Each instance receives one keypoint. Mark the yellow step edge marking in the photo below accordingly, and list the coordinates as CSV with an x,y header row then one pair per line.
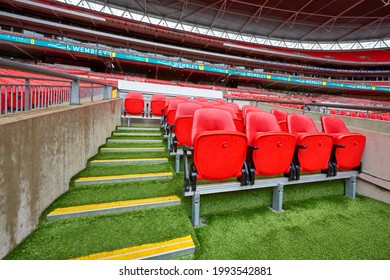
x,y
128,159
127,176
142,251
116,204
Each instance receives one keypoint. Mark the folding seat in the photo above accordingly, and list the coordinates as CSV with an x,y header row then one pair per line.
x,y
157,104
237,122
343,113
170,118
362,115
348,147
218,150
206,104
353,114
333,111
249,108
271,150
313,148
182,97
220,101
201,99
183,124
134,103
281,116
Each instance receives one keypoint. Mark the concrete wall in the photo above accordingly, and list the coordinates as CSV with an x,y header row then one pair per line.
x,y
376,156
39,153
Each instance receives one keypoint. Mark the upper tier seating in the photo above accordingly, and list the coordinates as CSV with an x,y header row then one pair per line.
x,y
218,150
348,147
313,149
157,104
271,149
134,103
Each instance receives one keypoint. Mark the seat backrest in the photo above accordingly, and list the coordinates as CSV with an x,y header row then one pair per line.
x,y
183,122
260,122
230,109
298,124
211,119
171,112
234,105
134,103
220,101
353,113
220,150
182,97
206,104
157,104
281,115
362,115
333,125
201,99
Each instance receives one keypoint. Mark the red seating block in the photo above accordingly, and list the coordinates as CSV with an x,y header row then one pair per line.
x,y
347,147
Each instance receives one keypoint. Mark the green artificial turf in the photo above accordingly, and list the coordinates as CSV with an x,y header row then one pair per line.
x,y
66,239
107,170
332,227
114,155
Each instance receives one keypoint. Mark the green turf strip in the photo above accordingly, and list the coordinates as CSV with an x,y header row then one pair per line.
x,y
114,155
111,170
117,192
333,227
73,238
135,138
133,145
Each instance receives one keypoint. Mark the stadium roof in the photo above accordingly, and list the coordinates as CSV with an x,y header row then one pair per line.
x,y
292,22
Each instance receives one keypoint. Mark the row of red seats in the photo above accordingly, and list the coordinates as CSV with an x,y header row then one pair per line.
x,y
360,114
220,152
227,141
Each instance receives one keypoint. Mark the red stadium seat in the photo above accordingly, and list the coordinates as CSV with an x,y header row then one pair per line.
x,y
218,150
134,103
281,116
183,124
201,99
157,104
249,108
353,114
182,97
362,115
347,147
271,150
313,149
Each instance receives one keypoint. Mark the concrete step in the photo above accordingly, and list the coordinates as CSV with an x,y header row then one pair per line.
x,y
129,128
156,251
134,141
128,161
111,207
140,134
123,178
132,150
